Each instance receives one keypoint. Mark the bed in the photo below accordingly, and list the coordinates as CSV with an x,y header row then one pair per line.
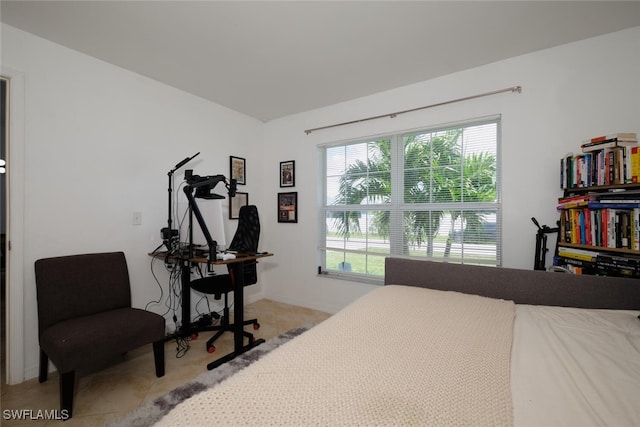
x,y
448,344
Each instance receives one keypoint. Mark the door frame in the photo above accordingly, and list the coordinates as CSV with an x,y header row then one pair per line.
x,y
14,321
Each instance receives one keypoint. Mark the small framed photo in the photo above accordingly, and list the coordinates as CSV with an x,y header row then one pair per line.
x,y
288,207
288,173
238,169
235,203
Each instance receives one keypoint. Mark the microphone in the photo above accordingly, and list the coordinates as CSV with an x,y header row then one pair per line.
x,y
233,186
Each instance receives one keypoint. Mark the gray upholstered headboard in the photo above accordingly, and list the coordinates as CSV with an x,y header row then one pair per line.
x,y
520,286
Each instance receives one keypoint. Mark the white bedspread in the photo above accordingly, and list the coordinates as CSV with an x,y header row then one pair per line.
x,y
397,356
576,367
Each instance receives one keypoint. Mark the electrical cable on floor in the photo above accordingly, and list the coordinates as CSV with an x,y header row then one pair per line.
x,y
146,307
182,346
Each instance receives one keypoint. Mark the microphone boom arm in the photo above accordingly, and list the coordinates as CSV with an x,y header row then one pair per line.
x,y
193,206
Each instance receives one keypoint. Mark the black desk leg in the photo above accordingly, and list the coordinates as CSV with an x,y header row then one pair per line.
x,y
238,312
185,272
185,329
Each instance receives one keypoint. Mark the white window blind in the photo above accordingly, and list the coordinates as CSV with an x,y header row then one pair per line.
x,y
430,194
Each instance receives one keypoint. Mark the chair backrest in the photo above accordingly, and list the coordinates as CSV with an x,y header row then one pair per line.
x,y
248,231
79,285
246,240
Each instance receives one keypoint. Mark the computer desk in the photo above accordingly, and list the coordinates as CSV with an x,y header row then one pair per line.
x,y
187,329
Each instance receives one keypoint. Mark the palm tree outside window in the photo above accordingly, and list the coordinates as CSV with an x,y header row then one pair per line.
x,y
432,194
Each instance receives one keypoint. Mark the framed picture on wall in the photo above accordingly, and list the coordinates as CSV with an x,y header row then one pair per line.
x,y
288,207
288,173
235,203
238,169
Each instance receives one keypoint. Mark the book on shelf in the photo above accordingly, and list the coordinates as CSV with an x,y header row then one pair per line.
x,y
576,230
604,270
622,230
623,201
618,166
618,135
576,266
629,196
565,226
596,229
574,201
635,230
618,265
606,166
588,227
604,227
576,198
618,260
588,147
634,164
610,204
578,254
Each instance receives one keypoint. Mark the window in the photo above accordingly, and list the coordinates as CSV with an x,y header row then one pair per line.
x,y
431,194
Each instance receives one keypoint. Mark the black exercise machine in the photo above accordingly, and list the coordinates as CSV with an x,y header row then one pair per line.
x,y
541,244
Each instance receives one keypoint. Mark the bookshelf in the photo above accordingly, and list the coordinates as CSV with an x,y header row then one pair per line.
x,y
599,211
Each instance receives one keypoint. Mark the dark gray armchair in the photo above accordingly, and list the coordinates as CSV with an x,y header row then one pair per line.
x,y
85,315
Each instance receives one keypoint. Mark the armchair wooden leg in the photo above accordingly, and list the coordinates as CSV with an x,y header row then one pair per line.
x,y
44,366
158,356
67,384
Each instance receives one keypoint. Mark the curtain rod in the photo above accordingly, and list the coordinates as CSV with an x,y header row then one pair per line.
x,y
393,115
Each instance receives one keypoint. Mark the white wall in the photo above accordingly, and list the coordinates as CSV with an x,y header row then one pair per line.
x,y
570,93
99,142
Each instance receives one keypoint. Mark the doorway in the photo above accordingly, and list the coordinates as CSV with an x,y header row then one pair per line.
x,y
3,221
12,221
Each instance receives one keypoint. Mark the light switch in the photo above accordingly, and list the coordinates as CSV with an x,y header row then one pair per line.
x,y
137,218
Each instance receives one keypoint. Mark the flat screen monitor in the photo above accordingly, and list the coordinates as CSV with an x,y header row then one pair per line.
x,y
211,211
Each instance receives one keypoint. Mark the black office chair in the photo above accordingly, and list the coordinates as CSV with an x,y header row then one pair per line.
x,y
245,240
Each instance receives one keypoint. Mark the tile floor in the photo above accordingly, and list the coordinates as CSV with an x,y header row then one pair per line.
x,y
121,387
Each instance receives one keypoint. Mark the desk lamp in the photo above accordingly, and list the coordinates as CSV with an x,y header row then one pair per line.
x,y
168,233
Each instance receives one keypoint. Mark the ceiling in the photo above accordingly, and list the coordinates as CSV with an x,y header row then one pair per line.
x,y
271,59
